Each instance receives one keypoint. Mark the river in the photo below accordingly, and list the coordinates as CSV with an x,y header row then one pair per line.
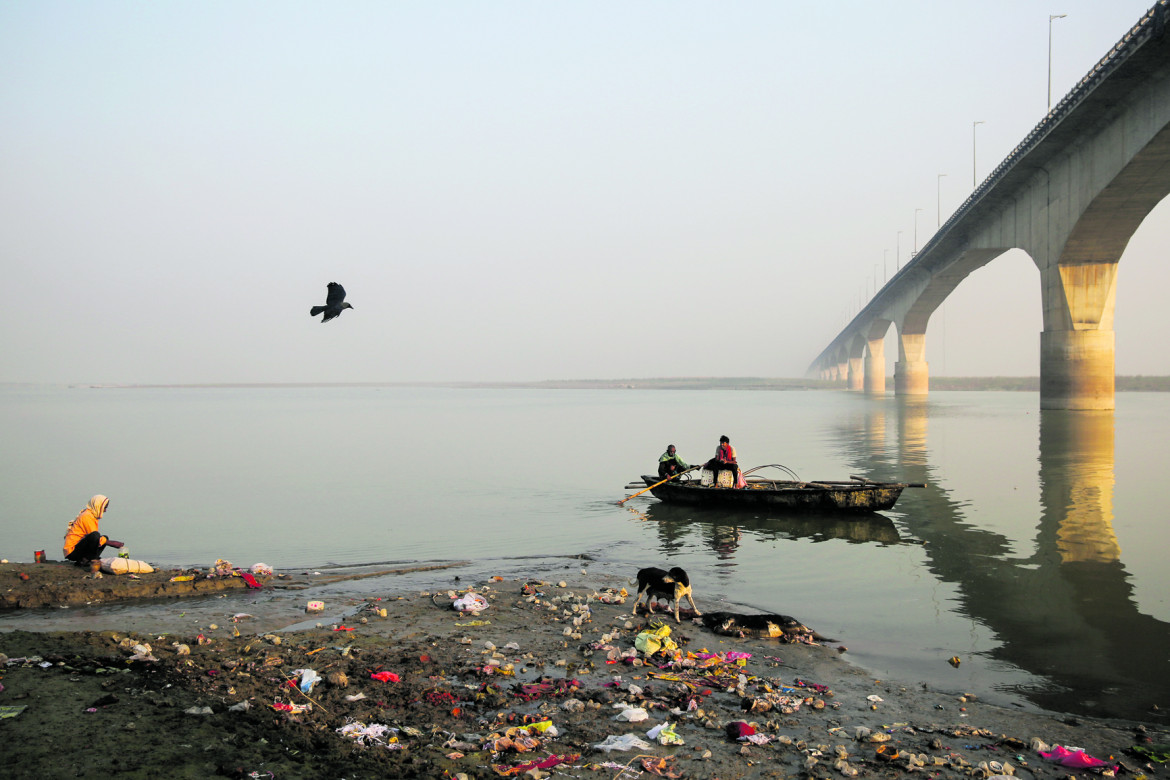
x,y
1035,554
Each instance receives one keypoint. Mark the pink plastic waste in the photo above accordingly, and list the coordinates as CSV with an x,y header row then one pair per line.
x,y
384,676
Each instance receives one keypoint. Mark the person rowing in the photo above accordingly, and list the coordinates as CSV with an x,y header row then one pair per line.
x,y
670,464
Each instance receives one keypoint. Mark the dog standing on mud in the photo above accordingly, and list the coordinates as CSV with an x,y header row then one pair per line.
x,y
672,585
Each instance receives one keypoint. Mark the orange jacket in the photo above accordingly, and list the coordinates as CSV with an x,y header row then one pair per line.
x,y
85,523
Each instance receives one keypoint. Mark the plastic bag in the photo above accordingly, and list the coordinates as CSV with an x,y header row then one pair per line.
x,y
665,734
633,715
309,678
622,742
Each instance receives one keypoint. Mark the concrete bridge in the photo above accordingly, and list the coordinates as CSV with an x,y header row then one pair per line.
x,y
1071,195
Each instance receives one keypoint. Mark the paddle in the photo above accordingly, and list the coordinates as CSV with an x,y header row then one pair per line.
x,y
656,484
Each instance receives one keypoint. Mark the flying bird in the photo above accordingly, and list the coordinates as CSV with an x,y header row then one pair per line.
x,y
334,303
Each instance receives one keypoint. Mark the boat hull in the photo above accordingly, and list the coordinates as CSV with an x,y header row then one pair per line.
x,y
791,496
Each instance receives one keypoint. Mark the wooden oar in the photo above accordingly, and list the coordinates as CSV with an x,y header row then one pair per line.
x,y
656,484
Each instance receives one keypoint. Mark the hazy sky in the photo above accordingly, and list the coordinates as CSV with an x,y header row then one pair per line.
x,y
516,190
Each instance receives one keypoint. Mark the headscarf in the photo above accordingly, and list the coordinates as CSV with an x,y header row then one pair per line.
x,y
97,505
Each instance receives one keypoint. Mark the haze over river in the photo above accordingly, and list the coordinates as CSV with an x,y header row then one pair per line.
x,y
1036,553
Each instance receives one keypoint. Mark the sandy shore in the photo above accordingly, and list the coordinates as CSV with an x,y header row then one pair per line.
x,y
462,692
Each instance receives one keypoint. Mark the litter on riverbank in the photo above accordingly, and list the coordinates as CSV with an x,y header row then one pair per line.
x,y
545,680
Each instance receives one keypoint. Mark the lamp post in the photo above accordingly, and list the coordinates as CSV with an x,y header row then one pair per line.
x,y
916,230
938,198
898,254
973,176
885,266
1051,19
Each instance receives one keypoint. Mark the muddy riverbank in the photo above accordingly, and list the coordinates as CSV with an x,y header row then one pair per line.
x,y
411,687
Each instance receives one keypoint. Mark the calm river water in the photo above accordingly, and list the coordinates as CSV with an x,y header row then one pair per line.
x,y
1036,553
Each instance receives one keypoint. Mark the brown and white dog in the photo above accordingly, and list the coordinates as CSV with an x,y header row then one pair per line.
x,y
671,585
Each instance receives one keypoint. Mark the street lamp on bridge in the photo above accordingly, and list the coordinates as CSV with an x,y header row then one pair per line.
x,y
1051,18
916,231
898,254
938,198
973,175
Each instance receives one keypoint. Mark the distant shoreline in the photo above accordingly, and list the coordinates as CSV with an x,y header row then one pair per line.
x,y
1138,383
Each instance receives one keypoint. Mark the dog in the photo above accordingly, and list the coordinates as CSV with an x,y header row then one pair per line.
x,y
673,585
767,626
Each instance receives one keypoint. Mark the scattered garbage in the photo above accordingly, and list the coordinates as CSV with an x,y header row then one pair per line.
x,y
221,568
489,700
121,565
372,734
1074,758
632,714
308,678
622,742
142,652
665,734
470,602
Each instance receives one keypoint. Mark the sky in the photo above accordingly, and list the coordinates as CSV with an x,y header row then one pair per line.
x,y
517,191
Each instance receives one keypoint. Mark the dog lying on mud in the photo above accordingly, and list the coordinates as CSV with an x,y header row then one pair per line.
x,y
766,626
671,585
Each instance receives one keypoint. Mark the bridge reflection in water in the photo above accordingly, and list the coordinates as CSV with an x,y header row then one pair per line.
x,y
1064,611
1044,579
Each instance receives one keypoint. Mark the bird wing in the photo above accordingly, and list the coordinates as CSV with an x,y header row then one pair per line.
x,y
336,294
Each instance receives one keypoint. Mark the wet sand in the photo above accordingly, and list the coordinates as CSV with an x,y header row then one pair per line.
x,y
208,686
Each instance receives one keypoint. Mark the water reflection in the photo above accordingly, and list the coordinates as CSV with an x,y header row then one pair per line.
x,y
722,530
1064,610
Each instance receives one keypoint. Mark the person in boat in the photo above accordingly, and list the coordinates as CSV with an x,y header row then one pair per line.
x,y
83,541
724,460
670,464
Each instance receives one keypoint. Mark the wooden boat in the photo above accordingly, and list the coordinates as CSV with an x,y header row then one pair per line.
x,y
856,495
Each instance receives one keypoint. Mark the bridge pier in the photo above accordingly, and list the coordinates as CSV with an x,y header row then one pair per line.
x,y
1076,370
911,377
875,366
911,372
856,374
1077,343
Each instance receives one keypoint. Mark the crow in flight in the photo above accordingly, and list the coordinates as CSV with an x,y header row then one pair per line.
x,y
334,303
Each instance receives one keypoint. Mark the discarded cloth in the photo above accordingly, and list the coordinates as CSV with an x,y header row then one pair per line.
x,y
472,602
554,760
738,729
384,677
1075,759
655,639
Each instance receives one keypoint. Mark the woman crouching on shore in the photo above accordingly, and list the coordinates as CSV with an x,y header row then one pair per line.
x,y
83,542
